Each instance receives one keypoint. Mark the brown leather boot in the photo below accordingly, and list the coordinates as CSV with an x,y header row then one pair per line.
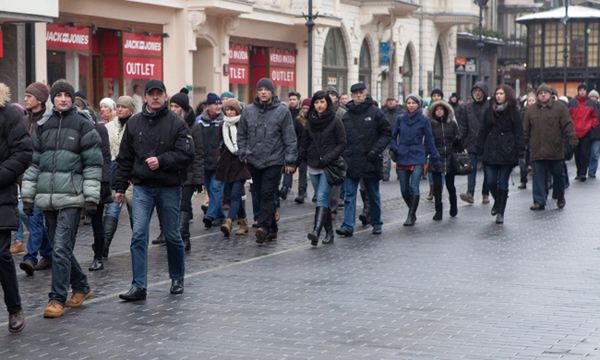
x,y
243,230
226,227
54,309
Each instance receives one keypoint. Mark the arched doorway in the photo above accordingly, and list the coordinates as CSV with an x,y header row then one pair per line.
x,y
364,64
335,65
407,74
438,69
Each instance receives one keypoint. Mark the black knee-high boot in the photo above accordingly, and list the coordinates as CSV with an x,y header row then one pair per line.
x,y
313,236
328,224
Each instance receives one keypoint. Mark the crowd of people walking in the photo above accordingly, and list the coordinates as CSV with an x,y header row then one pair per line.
x,y
61,161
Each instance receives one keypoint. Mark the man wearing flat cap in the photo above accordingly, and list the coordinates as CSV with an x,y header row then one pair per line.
x,y
368,133
547,127
154,154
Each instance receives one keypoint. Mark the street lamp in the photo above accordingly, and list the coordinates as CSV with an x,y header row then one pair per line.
x,y
310,24
480,44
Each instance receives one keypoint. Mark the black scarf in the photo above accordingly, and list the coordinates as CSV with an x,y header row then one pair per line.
x,y
320,121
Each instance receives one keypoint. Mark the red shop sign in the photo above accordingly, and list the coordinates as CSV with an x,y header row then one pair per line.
x,y
238,74
142,68
282,57
283,77
67,37
142,45
238,54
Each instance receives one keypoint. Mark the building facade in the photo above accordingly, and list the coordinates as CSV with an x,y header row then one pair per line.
x,y
105,48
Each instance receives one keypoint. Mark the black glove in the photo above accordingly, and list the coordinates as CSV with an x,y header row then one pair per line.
x,y
28,208
90,208
372,156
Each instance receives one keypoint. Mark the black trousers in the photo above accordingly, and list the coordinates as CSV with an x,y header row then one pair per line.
x,y
267,182
98,230
187,192
8,275
437,187
582,155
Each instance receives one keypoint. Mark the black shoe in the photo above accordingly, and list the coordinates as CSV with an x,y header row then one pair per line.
x,y
582,178
160,240
300,198
344,232
27,266
176,287
561,203
272,235
537,207
376,231
96,265
523,186
16,322
43,264
499,219
283,192
261,235
363,219
134,294
437,216
208,222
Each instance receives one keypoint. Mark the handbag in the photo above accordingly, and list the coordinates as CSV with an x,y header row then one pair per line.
x,y
335,172
461,163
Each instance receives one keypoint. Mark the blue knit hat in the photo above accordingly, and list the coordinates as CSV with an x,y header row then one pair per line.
x,y
212,98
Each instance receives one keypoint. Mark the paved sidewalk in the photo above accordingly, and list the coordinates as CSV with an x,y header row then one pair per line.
x,y
462,288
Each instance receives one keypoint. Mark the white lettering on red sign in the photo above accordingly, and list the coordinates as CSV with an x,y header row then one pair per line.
x,y
237,73
277,58
239,55
67,38
136,69
142,45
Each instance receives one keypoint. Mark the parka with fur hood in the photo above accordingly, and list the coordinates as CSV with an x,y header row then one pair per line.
x,y
446,135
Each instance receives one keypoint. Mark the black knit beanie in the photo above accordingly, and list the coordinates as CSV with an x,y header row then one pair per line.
x,y
62,86
266,83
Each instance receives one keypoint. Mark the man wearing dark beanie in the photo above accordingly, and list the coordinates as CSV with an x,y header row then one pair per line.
x,y
35,99
267,142
62,180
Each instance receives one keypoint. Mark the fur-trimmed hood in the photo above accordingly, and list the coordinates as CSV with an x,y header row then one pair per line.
x,y
448,108
4,95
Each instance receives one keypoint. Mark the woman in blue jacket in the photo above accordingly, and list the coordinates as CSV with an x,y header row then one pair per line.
x,y
412,141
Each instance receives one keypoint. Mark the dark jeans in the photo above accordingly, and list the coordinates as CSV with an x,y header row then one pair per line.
x,y
582,155
8,275
186,199
62,232
237,206
542,169
38,238
266,182
437,186
497,176
472,179
350,189
98,230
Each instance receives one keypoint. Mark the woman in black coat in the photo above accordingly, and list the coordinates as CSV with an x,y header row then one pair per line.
x,y
322,142
447,140
501,144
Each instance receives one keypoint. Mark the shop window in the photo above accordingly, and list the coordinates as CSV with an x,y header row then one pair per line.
x,y
577,45
592,45
335,66
534,43
407,74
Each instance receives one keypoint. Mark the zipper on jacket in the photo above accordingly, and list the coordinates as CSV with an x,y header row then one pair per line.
x,y
444,144
54,158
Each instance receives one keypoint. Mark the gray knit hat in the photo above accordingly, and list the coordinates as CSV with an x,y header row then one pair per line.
x,y
415,97
127,102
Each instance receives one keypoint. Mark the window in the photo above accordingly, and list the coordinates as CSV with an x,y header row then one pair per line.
x,y
335,68
438,69
592,59
364,65
407,73
577,45
534,42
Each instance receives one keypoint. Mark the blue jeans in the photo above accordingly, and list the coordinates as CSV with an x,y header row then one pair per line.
x,y
594,156
167,201
472,179
237,206
38,238
541,170
497,176
410,180
350,190
322,189
22,221
215,195
62,232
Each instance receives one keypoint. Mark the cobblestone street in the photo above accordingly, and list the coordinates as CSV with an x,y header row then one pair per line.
x,y
462,288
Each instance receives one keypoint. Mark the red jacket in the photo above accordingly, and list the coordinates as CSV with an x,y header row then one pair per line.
x,y
583,115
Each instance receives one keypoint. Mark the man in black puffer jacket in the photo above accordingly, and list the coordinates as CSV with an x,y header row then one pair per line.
x,y
470,117
368,133
15,156
155,152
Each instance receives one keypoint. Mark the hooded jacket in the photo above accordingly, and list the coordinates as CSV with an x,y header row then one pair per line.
x,y
210,130
162,134
266,135
412,139
66,171
584,116
15,156
446,136
470,117
367,130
